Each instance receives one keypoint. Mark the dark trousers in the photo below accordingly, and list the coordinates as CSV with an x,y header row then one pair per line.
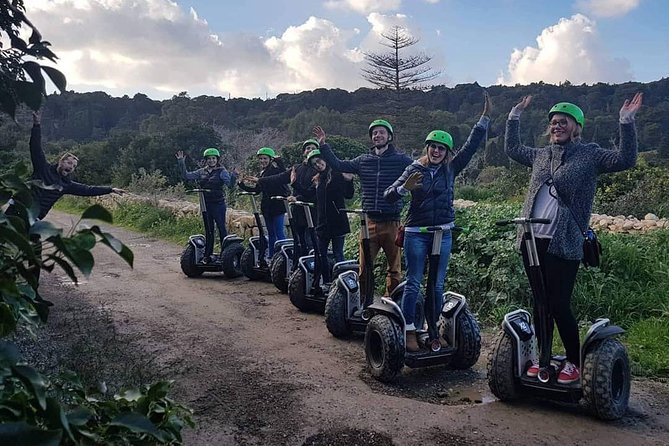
x,y
559,277
322,262
215,214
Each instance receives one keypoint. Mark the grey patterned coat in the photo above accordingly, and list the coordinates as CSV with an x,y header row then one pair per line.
x,y
574,168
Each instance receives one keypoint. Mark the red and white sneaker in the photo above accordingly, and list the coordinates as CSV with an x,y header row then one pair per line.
x,y
569,374
533,371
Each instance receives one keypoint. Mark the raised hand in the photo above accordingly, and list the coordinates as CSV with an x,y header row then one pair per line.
x,y
487,105
522,105
293,175
180,155
319,133
414,181
629,108
37,117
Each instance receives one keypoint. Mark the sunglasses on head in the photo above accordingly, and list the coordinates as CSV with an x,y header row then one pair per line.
x,y
438,147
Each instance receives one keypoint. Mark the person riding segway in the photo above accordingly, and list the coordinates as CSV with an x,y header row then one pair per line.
x,y
430,219
561,192
198,256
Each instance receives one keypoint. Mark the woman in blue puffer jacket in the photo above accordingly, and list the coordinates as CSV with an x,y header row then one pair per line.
x,y
430,181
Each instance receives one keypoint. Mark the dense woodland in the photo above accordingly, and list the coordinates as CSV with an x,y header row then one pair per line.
x,y
115,137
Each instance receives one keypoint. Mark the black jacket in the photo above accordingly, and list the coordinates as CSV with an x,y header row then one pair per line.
x,y
268,206
48,174
330,197
303,188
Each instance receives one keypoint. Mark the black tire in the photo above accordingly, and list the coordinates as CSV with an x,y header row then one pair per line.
x,y
606,380
231,260
296,290
188,265
501,379
277,269
468,337
384,348
335,313
247,263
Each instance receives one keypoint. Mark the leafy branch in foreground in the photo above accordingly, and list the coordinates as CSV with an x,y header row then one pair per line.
x,y
35,410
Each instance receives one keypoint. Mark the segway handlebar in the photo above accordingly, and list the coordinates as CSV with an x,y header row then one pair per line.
x,y
248,193
197,189
303,203
522,221
279,197
360,211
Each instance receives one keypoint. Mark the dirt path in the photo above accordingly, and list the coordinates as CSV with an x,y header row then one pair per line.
x,y
258,372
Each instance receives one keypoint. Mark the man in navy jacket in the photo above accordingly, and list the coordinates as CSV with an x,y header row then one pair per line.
x,y
377,169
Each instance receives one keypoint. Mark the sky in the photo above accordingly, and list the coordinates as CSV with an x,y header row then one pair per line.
x,y
262,48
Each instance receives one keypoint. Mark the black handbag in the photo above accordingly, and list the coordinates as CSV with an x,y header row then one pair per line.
x,y
592,248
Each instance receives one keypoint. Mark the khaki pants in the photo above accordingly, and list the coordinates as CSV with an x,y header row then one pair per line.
x,y
382,236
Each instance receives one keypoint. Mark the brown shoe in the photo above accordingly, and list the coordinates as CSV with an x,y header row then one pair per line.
x,y
412,341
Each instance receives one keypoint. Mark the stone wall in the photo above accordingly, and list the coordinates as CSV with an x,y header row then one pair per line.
x,y
243,223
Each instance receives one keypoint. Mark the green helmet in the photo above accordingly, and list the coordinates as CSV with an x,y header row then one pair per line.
x,y
211,152
440,136
310,141
313,154
568,109
266,151
382,123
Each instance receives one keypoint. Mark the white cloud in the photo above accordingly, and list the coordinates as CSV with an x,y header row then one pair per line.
x,y
364,6
570,50
607,8
157,48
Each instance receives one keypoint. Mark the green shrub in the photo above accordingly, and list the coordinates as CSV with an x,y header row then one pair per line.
x,y
636,191
647,342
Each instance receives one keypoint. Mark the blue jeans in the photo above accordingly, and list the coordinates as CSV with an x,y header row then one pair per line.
x,y
417,248
275,230
337,249
215,214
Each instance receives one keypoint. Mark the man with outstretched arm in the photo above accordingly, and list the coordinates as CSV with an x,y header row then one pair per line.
x,y
57,176
377,170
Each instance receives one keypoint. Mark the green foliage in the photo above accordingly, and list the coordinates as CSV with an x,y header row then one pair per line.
x,y
647,345
484,264
32,410
21,81
635,191
31,415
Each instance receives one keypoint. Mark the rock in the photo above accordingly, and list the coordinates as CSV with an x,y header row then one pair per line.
x,y
650,216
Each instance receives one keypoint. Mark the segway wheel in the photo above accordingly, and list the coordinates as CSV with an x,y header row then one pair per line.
x,y
501,379
384,348
231,260
247,263
277,269
335,313
605,379
188,265
468,340
297,290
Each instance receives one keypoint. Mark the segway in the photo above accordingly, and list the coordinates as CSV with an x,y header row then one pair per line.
x,y
254,258
228,261
604,387
348,298
285,258
305,284
452,322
